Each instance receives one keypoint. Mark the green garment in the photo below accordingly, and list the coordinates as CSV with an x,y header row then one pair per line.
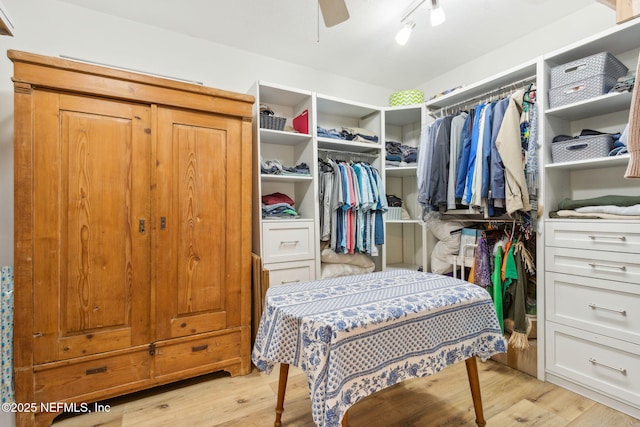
x,y
510,270
496,289
599,201
518,310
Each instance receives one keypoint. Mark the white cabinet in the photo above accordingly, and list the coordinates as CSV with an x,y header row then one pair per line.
x,y
591,267
407,239
281,241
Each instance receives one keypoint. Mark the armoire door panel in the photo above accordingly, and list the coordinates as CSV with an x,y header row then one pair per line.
x,y
93,175
198,174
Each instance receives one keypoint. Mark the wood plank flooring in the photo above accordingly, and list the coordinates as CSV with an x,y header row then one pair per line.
x,y
510,398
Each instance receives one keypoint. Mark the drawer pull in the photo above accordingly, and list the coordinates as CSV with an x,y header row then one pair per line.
x,y
199,348
601,236
289,242
286,282
99,370
615,310
615,267
595,362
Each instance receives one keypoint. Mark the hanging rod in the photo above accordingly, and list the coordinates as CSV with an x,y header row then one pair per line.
x,y
474,99
351,154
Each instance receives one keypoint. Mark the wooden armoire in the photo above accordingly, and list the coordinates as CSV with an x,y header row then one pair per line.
x,y
132,232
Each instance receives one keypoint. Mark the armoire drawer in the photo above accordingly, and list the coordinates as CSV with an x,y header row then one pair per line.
x,y
201,353
601,306
287,241
599,235
60,382
619,266
291,272
605,364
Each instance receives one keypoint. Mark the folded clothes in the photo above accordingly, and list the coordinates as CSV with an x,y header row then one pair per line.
x,y
329,133
396,151
273,198
611,209
617,200
568,213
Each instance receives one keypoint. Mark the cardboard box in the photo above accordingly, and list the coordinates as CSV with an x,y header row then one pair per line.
x,y
522,360
626,10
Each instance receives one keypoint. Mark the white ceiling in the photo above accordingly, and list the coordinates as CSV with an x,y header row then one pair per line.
x,y
362,48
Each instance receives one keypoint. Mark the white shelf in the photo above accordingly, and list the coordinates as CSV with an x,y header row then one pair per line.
x,y
403,115
344,145
340,107
608,103
271,136
595,163
401,171
285,178
523,71
402,221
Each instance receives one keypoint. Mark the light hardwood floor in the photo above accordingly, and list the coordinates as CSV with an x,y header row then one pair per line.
x,y
510,398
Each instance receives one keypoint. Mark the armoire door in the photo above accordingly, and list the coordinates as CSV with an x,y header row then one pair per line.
x,y
199,239
91,208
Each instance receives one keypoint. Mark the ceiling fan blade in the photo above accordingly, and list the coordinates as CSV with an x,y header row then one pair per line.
x,y
333,11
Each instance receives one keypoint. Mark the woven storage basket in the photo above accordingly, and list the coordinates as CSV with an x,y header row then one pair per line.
x,y
580,91
406,97
582,148
272,122
600,63
394,214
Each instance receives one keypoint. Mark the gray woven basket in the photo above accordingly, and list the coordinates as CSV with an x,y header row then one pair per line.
x,y
583,148
600,63
272,122
581,90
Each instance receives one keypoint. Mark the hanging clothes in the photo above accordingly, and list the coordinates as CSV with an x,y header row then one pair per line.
x,y
509,144
476,159
352,201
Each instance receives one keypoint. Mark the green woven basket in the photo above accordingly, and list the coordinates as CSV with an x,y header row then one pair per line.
x,y
406,97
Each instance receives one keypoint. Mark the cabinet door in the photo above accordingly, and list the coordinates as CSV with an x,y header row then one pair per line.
x,y
201,224
91,252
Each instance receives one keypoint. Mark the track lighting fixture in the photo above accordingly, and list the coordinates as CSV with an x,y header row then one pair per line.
x,y
405,32
437,13
437,18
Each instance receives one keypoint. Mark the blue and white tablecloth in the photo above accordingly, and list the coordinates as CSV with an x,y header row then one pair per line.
x,y
356,335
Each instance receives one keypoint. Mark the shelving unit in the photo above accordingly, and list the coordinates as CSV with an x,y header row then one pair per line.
x,y
336,113
591,268
287,246
408,240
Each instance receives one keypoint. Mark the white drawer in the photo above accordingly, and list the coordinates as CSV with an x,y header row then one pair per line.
x,y
604,364
291,272
619,266
621,236
287,241
601,306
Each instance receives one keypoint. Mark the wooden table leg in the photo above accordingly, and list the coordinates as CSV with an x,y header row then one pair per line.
x,y
474,383
345,419
282,386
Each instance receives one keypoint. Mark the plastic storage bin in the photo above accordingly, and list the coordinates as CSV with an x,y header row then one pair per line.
x,y
584,78
394,214
590,66
582,148
581,90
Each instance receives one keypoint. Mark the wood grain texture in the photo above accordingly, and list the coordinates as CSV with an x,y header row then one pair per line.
x,y
130,265
510,398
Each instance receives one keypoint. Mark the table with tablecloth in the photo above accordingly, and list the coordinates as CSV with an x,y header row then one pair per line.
x,y
356,335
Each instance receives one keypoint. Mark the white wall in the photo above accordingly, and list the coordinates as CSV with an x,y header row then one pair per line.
x,y
56,28
575,27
